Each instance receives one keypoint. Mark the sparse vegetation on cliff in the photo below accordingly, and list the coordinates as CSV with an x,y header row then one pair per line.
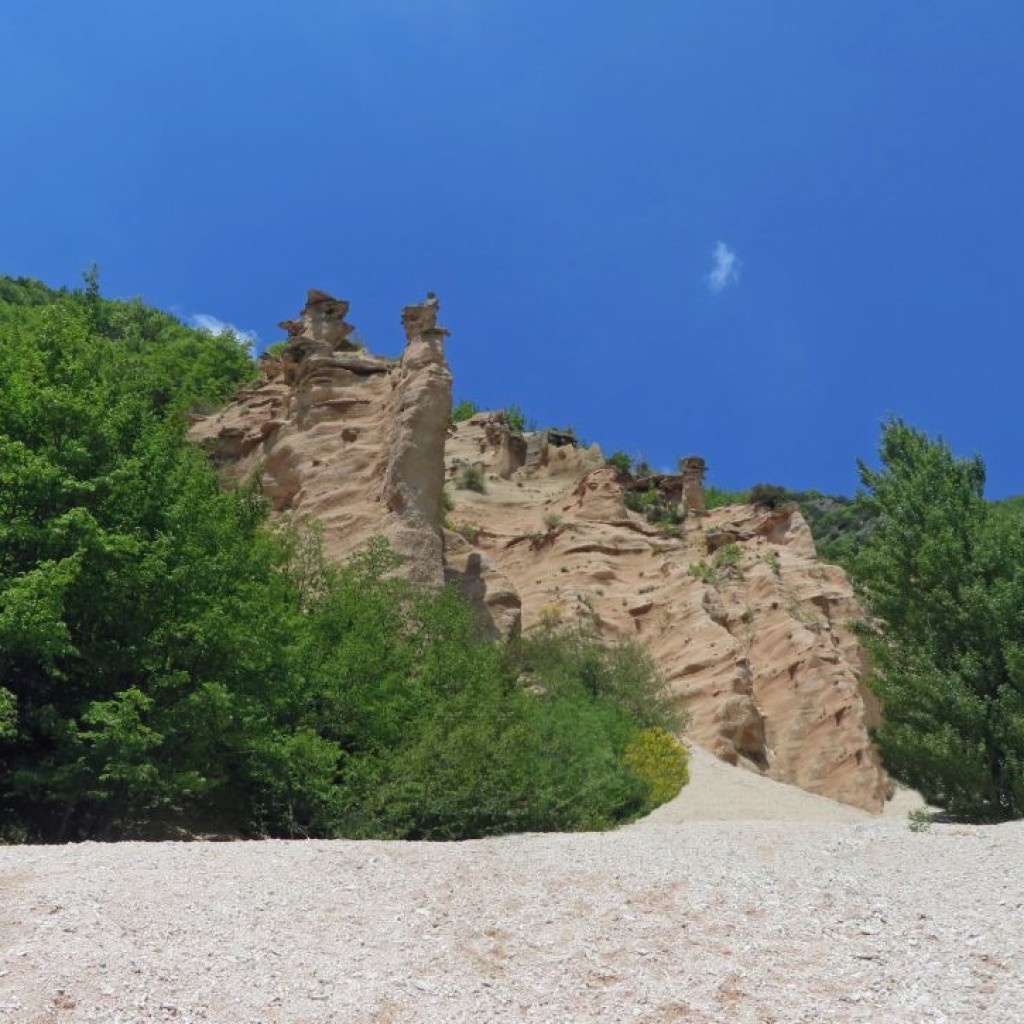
x,y
620,462
728,556
654,507
463,411
514,419
467,530
716,497
838,524
704,572
769,495
471,478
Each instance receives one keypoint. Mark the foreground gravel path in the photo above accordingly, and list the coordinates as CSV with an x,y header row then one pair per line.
x,y
696,921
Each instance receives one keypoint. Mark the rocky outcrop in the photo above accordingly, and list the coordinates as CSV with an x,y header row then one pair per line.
x,y
747,626
414,478
351,441
692,469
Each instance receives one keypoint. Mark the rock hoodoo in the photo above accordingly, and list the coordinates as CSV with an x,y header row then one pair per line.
x,y
352,441
746,625
693,469
322,322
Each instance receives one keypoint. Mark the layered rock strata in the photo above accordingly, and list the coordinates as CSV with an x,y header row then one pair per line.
x,y
752,642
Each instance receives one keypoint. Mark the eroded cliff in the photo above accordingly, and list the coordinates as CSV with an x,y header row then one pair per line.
x,y
748,627
346,439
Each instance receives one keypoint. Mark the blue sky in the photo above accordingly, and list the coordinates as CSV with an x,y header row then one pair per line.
x,y
745,230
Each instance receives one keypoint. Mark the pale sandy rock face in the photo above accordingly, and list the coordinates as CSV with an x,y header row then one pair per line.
x,y
346,439
486,587
760,657
413,481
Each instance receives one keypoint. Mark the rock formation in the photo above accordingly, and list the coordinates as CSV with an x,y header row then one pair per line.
x,y
756,647
746,625
346,439
693,469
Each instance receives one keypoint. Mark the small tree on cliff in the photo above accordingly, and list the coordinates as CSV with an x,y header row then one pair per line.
x,y
944,580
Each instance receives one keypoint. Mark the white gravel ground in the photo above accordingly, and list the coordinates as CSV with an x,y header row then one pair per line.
x,y
669,920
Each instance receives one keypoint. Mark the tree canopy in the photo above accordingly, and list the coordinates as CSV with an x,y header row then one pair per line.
x,y
942,574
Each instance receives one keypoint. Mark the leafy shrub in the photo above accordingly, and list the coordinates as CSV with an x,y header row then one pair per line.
x,y
621,674
840,526
276,349
27,291
769,495
471,478
620,462
641,501
703,572
469,531
552,520
771,559
483,755
514,418
920,820
658,758
464,410
8,715
653,506
728,556
716,497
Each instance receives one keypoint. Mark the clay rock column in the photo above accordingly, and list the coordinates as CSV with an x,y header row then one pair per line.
x,y
693,469
414,480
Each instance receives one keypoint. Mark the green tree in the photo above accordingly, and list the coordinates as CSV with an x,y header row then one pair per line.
x,y
943,580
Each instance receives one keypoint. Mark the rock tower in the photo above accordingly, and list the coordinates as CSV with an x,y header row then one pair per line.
x,y
693,469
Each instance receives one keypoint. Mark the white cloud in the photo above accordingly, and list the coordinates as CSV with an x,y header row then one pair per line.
x,y
725,268
214,325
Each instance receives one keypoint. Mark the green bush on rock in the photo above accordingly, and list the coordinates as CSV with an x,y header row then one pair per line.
x,y
471,478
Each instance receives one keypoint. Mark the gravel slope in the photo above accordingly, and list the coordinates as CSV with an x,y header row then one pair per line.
x,y
672,919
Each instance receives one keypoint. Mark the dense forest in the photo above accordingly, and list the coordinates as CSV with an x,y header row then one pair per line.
x,y
171,664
